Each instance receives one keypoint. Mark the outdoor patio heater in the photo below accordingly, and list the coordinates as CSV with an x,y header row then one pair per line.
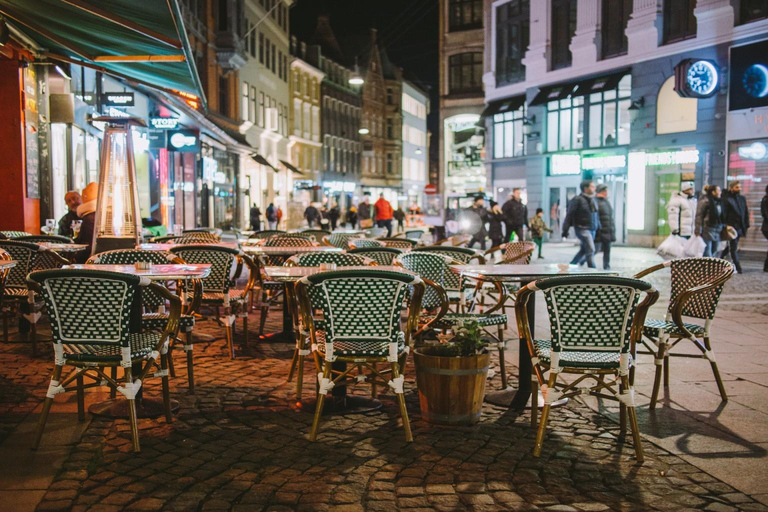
x,y
118,218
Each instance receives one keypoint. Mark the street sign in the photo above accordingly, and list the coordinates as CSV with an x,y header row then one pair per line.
x,y
430,189
117,99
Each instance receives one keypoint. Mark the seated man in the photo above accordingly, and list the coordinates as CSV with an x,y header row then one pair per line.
x,y
73,200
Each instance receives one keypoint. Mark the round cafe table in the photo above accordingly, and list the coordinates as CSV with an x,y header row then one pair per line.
x,y
522,274
145,407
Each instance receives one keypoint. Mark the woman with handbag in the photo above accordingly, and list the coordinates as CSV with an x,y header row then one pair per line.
x,y
709,219
735,216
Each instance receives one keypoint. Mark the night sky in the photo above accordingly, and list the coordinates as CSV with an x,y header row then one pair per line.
x,y
407,28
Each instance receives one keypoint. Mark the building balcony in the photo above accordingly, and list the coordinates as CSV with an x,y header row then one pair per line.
x,y
230,52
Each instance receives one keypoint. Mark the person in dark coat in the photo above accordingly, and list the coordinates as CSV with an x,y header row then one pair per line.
x,y
476,217
764,227
73,200
606,234
495,222
312,214
333,215
255,218
515,215
272,216
582,215
364,213
736,215
399,216
87,213
709,219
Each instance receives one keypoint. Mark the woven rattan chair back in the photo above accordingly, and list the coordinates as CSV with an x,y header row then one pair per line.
x,y
314,259
591,313
688,273
362,306
4,256
221,259
26,255
365,243
261,235
88,307
399,243
381,255
433,267
284,240
14,234
414,235
518,253
340,240
463,255
51,239
149,299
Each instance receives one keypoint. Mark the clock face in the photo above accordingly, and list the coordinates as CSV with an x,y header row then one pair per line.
x,y
755,81
702,78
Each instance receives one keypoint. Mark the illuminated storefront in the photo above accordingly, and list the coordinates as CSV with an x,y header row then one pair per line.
x,y
464,146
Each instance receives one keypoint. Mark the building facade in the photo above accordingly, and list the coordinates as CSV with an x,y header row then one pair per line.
x,y
589,89
415,146
462,143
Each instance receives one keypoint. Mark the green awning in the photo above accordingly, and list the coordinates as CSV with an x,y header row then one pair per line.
x,y
140,40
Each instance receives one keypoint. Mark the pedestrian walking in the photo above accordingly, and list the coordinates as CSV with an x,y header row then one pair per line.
x,y
364,213
352,217
333,215
681,211
495,223
384,214
272,216
606,234
515,215
735,215
279,216
709,219
255,218
399,216
73,200
477,216
312,214
538,227
764,227
583,216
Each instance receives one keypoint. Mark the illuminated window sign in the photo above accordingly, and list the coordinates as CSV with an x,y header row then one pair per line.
x,y
636,200
563,165
210,168
164,123
672,157
589,163
117,99
184,141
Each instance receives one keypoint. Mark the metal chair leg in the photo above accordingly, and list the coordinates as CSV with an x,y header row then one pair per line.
x,y
190,363
401,403
633,425
716,371
46,409
112,389
534,401
171,366
622,410
166,387
502,362
658,361
544,417
319,405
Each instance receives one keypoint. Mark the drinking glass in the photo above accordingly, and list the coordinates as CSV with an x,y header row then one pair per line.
x,y
50,226
75,225
178,229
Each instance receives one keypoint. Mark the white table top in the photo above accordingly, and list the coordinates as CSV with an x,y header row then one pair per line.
x,y
287,251
507,272
156,272
296,273
62,247
168,246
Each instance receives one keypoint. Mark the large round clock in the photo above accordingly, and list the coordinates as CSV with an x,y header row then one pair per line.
x,y
696,78
755,81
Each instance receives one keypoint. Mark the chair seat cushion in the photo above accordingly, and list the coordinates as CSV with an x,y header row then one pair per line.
x,y
159,320
360,347
141,346
655,328
578,359
453,319
218,298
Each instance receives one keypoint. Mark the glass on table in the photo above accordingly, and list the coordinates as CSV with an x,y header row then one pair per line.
x,y
178,229
76,225
50,226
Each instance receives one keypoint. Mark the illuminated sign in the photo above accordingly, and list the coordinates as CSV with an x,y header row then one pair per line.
x,y
690,156
603,162
184,141
636,183
562,165
164,123
117,99
210,168
755,151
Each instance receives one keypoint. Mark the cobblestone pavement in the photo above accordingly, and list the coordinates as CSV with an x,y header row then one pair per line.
x,y
240,444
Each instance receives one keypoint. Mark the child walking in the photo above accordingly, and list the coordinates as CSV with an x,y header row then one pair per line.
x,y
538,226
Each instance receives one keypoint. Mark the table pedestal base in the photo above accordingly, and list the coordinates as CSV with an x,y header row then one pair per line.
x,y
509,398
145,408
339,406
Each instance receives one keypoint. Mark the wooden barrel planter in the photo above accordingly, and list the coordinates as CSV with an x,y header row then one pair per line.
x,y
451,389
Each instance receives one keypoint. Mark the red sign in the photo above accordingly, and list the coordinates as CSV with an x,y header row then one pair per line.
x,y
430,189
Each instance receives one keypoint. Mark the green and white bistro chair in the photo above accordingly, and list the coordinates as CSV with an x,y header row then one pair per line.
x,y
303,343
219,292
90,314
340,240
361,326
14,234
381,255
266,233
154,314
696,285
399,243
434,269
51,239
365,243
18,300
453,281
595,322
513,253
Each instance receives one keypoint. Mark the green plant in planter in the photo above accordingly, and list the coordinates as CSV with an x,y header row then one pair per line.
x,y
468,341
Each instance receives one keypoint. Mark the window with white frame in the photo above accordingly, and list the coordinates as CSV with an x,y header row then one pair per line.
x,y
508,136
565,124
609,123
245,102
414,106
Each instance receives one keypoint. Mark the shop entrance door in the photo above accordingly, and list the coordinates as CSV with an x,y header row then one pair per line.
x,y
617,197
562,190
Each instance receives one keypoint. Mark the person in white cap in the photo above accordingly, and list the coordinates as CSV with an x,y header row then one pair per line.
x,y
681,211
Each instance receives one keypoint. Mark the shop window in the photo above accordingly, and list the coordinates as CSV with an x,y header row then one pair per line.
x,y
512,38
223,16
563,30
565,124
748,164
466,72
252,39
245,100
390,129
609,123
465,14
224,95
615,18
679,20
261,48
750,10
267,48
274,58
253,106
508,137
673,113
262,110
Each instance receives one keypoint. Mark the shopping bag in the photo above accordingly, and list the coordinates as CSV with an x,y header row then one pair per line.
x,y
366,223
672,247
694,247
